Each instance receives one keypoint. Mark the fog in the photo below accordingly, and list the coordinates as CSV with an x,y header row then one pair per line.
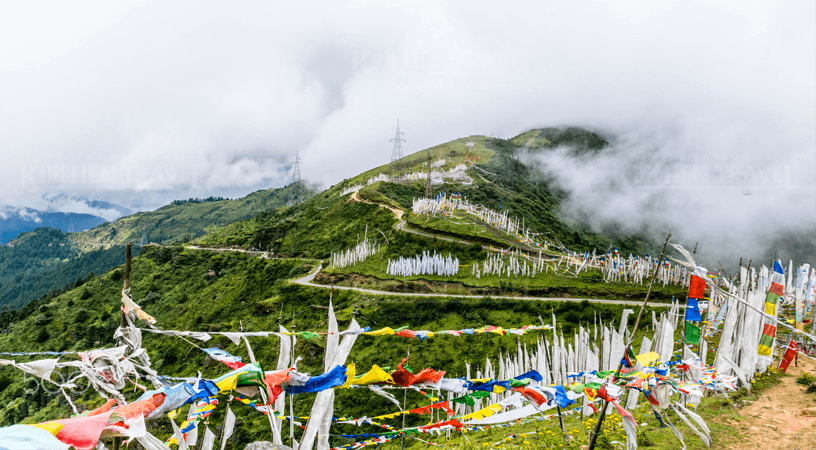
x,y
145,102
704,185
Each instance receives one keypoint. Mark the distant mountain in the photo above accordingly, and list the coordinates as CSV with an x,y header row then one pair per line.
x,y
37,262
40,261
98,204
185,220
16,221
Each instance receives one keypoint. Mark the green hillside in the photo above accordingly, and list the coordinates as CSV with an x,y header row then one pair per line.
x,y
207,291
45,259
183,221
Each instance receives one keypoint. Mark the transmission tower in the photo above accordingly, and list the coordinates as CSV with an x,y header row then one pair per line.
x,y
295,180
144,236
396,152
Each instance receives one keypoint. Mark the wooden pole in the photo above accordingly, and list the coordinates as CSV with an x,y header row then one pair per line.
x,y
117,441
405,392
552,377
291,396
593,436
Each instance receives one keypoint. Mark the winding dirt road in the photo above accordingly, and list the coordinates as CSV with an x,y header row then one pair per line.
x,y
308,281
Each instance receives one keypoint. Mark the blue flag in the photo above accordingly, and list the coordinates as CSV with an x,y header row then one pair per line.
x,y
333,378
561,397
693,310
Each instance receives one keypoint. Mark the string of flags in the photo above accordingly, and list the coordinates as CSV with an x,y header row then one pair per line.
x,y
404,332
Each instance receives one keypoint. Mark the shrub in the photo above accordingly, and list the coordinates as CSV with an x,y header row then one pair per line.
x,y
806,379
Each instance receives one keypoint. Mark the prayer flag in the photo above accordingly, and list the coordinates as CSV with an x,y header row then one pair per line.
x,y
789,355
693,310
233,362
648,358
696,287
26,437
629,357
692,334
776,290
333,378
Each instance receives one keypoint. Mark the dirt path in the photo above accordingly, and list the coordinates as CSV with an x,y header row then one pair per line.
x,y
400,225
308,281
356,198
785,415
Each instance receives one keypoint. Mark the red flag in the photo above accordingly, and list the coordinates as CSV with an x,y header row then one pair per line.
x,y
790,353
696,287
453,422
532,395
404,378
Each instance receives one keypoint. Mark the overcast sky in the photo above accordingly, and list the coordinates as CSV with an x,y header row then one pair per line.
x,y
143,102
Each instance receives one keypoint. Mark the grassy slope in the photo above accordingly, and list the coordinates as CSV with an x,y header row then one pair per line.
x,y
184,221
47,259
198,290
330,222
42,260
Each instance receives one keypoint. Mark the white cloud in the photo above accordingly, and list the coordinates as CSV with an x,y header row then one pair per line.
x,y
148,101
30,216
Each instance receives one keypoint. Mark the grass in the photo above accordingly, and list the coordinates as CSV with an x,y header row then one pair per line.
x,y
466,228
372,274
454,152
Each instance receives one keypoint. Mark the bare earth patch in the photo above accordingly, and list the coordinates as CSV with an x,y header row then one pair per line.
x,y
784,417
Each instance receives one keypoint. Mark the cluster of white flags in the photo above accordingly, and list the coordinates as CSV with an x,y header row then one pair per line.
x,y
351,189
438,175
516,263
424,264
358,186
636,269
742,320
444,204
507,264
354,255
438,163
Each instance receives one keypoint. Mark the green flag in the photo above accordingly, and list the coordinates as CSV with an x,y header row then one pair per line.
x,y
692,335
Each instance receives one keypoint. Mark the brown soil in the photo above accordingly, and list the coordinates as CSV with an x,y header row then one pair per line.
x,y
356,198
784,417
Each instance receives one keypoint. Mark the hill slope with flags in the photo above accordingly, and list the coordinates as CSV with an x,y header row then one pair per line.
x,y
192,344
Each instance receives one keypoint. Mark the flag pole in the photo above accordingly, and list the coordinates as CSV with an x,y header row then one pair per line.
x,y
292,396
593,436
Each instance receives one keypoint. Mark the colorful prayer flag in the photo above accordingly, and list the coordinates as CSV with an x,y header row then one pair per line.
x,y
776,290
692,334
787,358
693,310
696,287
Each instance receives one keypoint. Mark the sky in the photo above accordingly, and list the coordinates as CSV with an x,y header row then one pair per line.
x,y
139,103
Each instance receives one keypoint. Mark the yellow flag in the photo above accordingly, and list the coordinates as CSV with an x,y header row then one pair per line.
x,y
350,372
51,427
647,358
381,332
482,413
228,384
375,375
